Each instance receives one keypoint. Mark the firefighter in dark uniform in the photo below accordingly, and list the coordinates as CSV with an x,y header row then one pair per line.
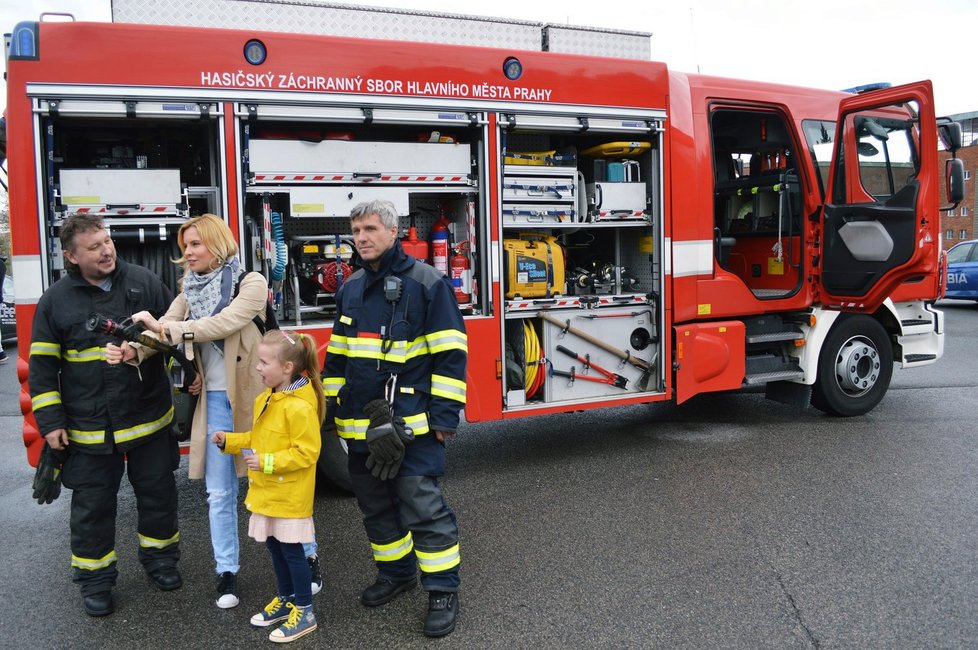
x,y
396,366
108,418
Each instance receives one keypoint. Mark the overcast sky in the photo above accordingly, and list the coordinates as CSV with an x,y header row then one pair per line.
x,y
821,43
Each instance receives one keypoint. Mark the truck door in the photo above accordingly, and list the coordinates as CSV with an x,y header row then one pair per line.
x,y
880,218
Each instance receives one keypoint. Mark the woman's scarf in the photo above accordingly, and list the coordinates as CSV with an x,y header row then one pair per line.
x,y
208,293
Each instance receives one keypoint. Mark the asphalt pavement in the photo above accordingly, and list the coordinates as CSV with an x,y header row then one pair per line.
x,y
726,522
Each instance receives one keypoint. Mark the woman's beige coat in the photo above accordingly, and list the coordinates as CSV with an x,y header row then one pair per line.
x,y
234,325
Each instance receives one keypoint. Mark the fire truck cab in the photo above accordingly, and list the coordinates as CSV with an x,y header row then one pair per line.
x,y
616,232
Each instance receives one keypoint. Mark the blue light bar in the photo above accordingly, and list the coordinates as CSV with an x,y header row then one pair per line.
x,y
24,42
865,88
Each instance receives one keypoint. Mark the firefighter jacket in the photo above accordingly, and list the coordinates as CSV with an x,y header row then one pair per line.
x,y
286,438
418,340
105,408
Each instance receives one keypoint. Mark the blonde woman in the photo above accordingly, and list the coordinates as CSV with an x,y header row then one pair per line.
x,y
214,318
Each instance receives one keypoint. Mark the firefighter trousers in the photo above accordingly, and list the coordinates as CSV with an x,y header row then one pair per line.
x,y
409,526
94,480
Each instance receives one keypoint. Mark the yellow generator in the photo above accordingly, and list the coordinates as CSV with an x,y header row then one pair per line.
x,y
534,266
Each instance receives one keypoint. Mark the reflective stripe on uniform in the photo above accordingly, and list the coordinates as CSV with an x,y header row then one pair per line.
x,y
45,349
93,565
447,340
337,345
418,423
86,437
448,388
394,550
356,428
332,385
45,399
83,356
351,428
152,542
439,560
140,430
372,347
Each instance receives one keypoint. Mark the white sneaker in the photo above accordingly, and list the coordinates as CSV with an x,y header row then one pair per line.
x,y
227,590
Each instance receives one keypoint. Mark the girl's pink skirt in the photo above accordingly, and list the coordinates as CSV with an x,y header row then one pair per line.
x,y
289,531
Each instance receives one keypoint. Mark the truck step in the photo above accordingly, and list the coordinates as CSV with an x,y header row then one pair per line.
x,y
913,358
766,377
774,337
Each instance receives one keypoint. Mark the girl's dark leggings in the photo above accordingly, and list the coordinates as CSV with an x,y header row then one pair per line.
x,y
291,571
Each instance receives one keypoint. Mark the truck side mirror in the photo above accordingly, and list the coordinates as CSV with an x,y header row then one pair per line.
x,y
954,181
950,135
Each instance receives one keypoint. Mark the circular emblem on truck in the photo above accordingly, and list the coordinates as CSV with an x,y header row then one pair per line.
x,y
255,52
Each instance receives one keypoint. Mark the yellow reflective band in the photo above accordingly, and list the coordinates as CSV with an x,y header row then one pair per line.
x,y
352,429
346,320
332,385
393,551
448,388
406,389
356,429
400,351
338,345
86,437
45,399
151,542
446,340
140,430
84,356
418,423
268,463
93,565
45,349
439,560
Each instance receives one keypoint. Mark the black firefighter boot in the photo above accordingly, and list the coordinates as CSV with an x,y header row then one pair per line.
x,y
98,603
442,612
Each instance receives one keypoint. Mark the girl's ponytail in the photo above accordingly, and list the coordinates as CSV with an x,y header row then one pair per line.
x,y
312,373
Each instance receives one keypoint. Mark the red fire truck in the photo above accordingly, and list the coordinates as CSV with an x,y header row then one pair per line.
x,y
618,232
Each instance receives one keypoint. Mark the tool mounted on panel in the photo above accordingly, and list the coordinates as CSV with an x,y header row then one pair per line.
x,y
610,378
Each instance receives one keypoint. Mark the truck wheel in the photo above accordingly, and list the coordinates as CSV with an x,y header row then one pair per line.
x,y
854,367
332,465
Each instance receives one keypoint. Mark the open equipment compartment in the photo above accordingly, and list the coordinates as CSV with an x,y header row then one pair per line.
x,y
304,174
143,166
580,218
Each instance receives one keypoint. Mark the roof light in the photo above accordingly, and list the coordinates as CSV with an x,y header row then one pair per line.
x,y
23,44
865,88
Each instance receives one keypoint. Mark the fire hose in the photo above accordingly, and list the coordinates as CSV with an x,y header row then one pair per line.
x,y
133,332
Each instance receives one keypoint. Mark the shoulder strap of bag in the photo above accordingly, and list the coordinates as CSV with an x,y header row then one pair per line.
x,y
259,323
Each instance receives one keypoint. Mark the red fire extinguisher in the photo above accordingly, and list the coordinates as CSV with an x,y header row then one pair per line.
x,y
461,274
413,246
439,244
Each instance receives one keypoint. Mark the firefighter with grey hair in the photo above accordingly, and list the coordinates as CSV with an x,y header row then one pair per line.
x,y
395,366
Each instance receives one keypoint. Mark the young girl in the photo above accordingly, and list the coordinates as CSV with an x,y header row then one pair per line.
x,y
281,452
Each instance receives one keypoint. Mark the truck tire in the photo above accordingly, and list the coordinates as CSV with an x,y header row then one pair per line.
x,y
854,367
332,464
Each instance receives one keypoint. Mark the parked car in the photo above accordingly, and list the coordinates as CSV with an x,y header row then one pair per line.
x,y
962,271
8,324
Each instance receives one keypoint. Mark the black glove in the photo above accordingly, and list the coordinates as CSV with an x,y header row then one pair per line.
x,y
47,478
385,445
